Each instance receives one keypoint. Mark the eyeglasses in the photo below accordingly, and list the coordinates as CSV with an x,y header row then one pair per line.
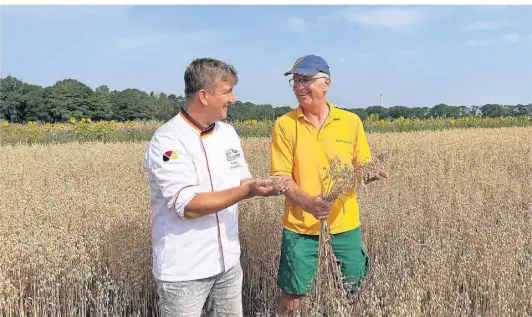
x,y
305,81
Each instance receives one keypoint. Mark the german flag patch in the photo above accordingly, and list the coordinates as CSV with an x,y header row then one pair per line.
x,y
169,155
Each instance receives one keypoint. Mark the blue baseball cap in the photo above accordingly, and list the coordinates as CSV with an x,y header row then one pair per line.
x,y
309,65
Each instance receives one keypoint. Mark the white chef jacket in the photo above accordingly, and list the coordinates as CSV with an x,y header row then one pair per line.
x,y
183,159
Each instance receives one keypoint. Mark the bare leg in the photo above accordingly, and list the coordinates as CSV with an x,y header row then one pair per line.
x,y
289,304
356,310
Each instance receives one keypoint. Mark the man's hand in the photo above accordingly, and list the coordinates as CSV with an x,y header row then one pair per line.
x,y
319,207
265,187
374,175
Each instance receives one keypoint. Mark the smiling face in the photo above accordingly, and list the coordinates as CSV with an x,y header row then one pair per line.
x,y
209,89
310,90
218,101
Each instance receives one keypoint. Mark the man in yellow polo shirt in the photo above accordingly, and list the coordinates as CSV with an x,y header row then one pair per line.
x,y
304,141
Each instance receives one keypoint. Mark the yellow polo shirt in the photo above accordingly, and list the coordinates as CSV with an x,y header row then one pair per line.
x,y
341,135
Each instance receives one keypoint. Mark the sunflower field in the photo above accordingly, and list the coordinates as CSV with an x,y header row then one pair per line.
x,y
83,129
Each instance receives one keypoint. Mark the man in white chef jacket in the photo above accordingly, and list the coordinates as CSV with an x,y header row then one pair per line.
x,y
198,174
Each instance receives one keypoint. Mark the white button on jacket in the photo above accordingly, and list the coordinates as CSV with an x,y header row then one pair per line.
x,y
183,160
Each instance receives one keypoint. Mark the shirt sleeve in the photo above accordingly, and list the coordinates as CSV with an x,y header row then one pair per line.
x,y
281,151
173,171
362,153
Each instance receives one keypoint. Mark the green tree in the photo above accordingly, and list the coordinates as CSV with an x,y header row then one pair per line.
x,y
380,112
399,111
20,101
68,98
420,112
100,106
360,112
132,104
444,111
491,110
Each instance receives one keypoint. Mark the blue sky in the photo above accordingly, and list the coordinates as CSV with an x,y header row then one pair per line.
x,y
415,55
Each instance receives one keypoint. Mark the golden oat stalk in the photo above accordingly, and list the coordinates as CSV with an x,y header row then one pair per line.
x,y
343,178
330,296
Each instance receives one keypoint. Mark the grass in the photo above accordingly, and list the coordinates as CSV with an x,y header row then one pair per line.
x,y
448,234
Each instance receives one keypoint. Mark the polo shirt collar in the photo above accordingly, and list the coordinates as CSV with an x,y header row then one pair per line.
x,y
333,111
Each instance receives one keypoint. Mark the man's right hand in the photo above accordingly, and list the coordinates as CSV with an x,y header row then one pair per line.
x,y
319,207
264,187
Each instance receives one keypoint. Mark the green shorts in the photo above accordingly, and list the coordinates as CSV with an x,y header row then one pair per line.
x,y
299,260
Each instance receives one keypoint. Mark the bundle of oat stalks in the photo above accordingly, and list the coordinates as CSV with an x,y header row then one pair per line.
x,y
330,296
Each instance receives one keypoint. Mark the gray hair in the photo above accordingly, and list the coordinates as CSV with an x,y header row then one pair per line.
x,y
205,73
325,75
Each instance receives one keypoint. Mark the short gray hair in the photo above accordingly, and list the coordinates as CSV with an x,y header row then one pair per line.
x,y
325,75
204,73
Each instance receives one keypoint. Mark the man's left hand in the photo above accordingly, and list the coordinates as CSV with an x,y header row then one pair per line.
x,y
374,175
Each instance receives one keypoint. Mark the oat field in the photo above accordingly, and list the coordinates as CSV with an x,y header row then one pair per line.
x,y
449,234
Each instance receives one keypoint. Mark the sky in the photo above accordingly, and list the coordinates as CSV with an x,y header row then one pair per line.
x,y
414,55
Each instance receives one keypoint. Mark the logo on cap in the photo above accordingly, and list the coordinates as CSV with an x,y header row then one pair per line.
x,y
298,61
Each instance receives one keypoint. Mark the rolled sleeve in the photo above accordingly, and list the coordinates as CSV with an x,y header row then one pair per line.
x,y
173,171
281,152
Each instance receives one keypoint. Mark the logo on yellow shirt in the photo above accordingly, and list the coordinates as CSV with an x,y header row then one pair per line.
x,y
344,141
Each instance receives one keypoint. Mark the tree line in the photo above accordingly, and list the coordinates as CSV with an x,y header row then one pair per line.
x,y
22,102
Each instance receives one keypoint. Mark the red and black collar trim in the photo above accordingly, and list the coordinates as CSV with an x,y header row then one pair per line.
x,y
204,131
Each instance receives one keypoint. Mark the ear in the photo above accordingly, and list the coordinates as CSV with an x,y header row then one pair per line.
x,y
202,95
327,84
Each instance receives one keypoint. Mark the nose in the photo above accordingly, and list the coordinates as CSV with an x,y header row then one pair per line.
x,y
232,99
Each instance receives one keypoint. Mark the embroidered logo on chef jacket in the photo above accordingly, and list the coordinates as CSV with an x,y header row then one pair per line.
x,y
232,156
169,155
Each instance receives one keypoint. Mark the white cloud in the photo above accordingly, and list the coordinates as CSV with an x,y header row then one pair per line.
x,y
479,43
512,37
484,25
296,24
386,18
